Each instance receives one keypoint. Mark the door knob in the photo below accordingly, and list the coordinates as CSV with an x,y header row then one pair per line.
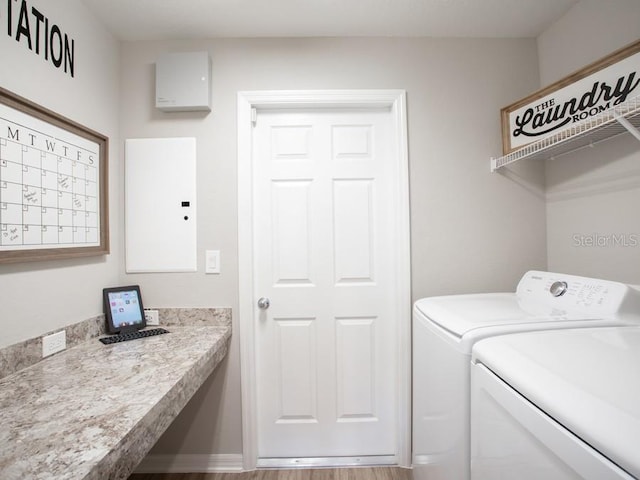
x,y
263,303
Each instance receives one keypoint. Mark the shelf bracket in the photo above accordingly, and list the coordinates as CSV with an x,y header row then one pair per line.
x,y
627,124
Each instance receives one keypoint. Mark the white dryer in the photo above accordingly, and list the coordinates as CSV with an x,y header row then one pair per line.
x,y
557,405
446,328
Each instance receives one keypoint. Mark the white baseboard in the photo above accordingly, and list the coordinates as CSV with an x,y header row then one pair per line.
x,y
190,463
325,462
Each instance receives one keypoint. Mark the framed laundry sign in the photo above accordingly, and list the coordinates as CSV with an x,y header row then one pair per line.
x,y
596,88
53,185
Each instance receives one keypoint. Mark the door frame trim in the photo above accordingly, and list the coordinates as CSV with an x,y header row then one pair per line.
x,y
247,103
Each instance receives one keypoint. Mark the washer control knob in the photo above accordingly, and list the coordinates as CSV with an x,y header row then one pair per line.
x,y
558,289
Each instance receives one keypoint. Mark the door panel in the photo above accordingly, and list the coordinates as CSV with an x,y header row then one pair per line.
x,y
297,367
356,375
291,235
353,230
323,255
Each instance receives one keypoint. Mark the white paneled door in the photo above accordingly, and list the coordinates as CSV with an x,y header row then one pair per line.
x,y
323,239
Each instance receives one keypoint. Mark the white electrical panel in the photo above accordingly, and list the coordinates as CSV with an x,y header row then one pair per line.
x,y
160,208
183,82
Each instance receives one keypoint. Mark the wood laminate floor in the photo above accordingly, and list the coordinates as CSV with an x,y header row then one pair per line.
x,y
360,473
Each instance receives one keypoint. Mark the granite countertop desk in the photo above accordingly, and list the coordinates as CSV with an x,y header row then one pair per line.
x,y
94,410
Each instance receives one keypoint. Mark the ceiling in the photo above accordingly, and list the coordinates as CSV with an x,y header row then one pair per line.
x,y
132,20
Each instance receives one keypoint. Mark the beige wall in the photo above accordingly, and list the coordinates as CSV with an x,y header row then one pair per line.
x,y
593,194
471,230
36,298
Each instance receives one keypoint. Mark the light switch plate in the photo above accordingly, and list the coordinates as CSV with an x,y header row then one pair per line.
x,y
212,261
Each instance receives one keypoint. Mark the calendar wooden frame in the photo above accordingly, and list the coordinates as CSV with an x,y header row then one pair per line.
x,y
38,122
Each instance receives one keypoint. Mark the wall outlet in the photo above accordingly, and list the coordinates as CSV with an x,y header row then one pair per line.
x,y
152,317
54,343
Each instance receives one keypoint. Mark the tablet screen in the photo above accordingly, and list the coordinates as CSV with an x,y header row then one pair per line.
x,y
123,309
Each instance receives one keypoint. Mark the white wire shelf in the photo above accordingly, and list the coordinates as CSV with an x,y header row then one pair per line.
x,y
609,123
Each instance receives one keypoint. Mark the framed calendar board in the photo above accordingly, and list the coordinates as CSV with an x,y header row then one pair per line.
x,y
53,185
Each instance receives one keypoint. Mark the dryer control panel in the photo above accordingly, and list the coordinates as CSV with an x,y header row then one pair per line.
x,y
593,296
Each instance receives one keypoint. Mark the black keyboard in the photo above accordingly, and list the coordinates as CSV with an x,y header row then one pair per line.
x,y
123,337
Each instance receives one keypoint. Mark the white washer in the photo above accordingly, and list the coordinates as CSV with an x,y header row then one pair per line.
x,y
446,328
557,405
